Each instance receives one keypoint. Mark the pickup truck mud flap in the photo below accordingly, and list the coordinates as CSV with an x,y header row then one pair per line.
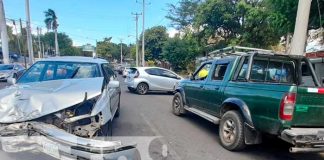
x,y
304,139
57,143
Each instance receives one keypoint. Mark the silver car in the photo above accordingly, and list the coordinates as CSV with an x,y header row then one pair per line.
x,y
63,104
10,71
144,79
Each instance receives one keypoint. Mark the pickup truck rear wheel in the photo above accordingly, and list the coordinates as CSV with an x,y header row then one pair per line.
x,y
231,131
177,104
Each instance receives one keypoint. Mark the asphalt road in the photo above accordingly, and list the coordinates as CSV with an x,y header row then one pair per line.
x,y
148,120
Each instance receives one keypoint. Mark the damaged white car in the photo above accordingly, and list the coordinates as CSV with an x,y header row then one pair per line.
x,y
63,104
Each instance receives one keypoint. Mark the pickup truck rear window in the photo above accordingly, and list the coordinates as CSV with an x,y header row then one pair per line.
x,y
268,70
272,71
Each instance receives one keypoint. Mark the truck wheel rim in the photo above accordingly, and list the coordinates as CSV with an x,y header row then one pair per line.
x,y
229,131
176,103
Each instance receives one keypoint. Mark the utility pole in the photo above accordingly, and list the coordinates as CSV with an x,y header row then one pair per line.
x,y
300,32
29,36
18,36
143,38
121,51
39,42
136,19
43,53
21,29
4,35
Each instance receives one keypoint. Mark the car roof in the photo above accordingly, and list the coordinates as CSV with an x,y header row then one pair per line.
x,y
76,59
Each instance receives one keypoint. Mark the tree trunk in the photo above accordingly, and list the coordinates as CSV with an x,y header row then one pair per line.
x,y
57,52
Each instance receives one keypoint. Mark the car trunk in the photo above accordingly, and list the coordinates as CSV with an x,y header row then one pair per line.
x,y
309,108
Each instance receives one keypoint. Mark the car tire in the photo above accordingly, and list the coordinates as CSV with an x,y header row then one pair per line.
x,y
106,130
231,131
177,105
142,88
118,109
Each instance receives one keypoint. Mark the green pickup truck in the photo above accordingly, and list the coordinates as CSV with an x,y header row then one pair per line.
x,y
257,93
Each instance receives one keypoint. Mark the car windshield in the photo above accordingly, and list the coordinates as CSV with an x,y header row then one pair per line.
x,y
6,67
46,71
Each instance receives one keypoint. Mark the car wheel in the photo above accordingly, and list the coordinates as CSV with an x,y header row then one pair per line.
x,y
118,109
105,130
142,88
177,105
231,131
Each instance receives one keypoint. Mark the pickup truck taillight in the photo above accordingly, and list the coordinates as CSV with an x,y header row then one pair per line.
x,y
287,106
137,74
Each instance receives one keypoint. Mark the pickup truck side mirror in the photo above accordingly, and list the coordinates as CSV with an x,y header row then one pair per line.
x,y
191,77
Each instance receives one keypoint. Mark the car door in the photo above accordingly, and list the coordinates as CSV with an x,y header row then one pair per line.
x,y
112,93
214,87
154,79
167,79
194,90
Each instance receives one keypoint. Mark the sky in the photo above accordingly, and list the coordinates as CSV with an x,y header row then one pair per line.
x,y
86,21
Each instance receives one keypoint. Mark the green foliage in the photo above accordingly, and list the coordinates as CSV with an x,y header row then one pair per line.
x,y
155,38
50,19
180,51
181,16
110,50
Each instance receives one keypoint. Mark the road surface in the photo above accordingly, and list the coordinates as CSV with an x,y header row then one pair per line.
x,y
145,117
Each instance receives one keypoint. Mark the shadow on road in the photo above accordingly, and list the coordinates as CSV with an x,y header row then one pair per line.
x,y
271,145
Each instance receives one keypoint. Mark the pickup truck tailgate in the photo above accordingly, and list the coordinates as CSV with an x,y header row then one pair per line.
x,y
309,108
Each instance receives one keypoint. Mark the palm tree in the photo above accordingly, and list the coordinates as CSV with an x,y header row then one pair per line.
x,y
51,24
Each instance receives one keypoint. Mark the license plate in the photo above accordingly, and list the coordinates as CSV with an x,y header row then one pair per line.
x,y
51,148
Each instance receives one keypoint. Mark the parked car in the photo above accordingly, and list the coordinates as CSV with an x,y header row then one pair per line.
x,y
10,70
254,94
144,79
69,100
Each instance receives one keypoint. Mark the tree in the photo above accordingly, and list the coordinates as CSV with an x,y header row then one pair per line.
x,y
51,24
65,43
182,16
181,52
107,49
154,41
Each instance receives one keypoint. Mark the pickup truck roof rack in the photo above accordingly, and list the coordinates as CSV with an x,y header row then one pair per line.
x,y
238,51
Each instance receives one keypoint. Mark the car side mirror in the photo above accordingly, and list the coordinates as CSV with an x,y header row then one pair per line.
x,y
113,84
12,81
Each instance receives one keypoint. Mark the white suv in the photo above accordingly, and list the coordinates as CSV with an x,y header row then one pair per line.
x,y
144,79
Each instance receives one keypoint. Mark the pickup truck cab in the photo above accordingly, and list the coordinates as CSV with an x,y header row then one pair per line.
x,y
254,94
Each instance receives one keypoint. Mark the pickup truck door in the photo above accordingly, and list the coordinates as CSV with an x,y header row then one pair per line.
x,y
214,87
194,89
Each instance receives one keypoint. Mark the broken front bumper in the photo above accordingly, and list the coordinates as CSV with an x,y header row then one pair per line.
x,y
304,139
57,143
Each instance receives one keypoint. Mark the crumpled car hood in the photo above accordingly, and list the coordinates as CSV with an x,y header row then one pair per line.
x,y
24,102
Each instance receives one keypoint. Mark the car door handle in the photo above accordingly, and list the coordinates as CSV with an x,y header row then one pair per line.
x,y
216,88
201,87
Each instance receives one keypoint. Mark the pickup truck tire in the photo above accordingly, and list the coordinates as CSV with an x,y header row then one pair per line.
x,y
142,88
231,131
177,104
